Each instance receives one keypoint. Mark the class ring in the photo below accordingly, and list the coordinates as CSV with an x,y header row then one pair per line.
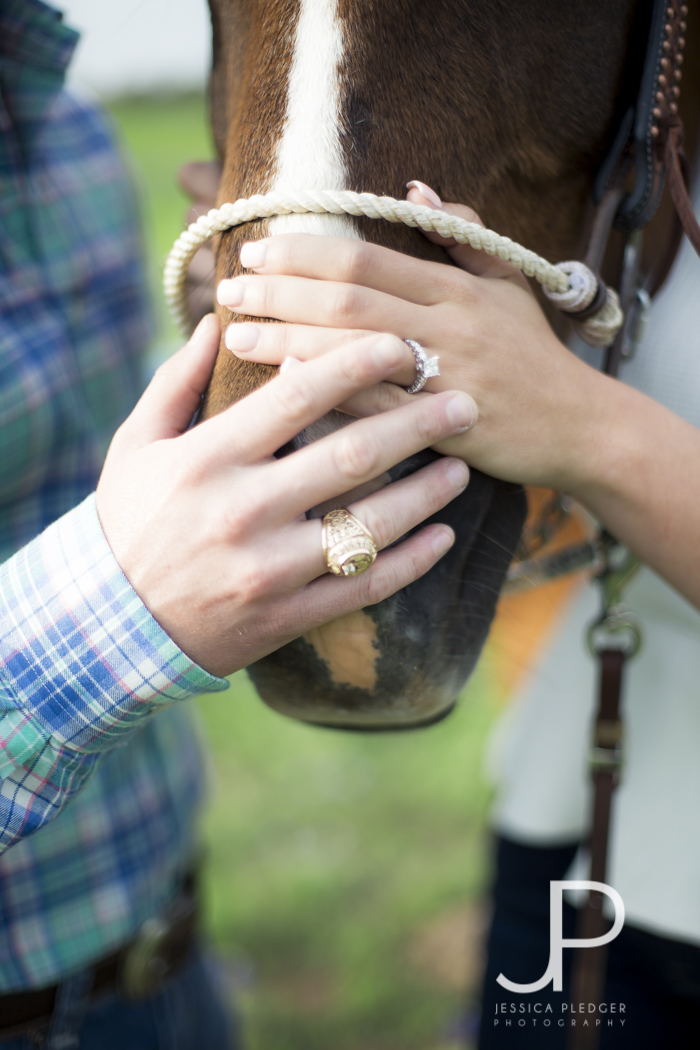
x,y
348,547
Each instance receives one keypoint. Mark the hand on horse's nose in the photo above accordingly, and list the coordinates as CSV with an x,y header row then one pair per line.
x,y
209,527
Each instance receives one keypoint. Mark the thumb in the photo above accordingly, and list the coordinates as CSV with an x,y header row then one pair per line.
x,y
467,258
170,400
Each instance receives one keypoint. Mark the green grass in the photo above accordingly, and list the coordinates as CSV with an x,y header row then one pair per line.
x,y
345,871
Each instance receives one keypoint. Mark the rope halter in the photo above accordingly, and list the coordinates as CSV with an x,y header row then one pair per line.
x,y
571,286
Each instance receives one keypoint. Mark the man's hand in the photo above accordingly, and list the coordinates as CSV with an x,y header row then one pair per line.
x,y
210,528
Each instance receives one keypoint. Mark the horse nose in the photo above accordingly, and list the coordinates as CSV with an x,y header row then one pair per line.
x,y
349,648
401,663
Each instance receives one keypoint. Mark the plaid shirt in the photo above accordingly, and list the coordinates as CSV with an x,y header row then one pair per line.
x,y
83,664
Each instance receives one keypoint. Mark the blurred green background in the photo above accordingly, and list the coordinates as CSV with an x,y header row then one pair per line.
x,y
345,883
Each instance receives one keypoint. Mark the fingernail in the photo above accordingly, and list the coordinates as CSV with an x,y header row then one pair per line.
x,y
289,362
230,293
443,540
206,326
429,194
462,412
253,254
242,337
457,474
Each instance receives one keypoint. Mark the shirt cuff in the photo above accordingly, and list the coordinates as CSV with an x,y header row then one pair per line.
x,y
80,652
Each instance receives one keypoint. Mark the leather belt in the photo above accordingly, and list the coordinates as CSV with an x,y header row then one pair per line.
x,y
136,970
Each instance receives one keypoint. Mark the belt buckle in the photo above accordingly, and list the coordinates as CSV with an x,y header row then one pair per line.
x,y
145,964
159,948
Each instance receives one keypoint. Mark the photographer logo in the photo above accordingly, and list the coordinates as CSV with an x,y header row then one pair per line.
x,y
557,942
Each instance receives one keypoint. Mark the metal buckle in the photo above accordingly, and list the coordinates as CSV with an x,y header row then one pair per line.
x,y
607,760
145,964
639,314
159,948
617,629
538,570
606,755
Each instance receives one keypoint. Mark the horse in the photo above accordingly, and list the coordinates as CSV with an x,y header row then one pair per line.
x,y
508,107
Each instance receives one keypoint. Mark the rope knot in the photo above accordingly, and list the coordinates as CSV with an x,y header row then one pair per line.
x,y
603,317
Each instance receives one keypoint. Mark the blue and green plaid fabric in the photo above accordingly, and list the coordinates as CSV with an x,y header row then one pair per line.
x,y
83,664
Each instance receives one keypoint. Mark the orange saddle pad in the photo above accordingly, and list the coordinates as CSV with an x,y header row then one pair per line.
x,y
526,619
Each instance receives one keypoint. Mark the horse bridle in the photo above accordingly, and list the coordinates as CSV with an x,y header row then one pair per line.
x,y
649,146
647,151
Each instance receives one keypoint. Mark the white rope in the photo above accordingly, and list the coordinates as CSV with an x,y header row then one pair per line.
x,y
582,288
601,327
555,280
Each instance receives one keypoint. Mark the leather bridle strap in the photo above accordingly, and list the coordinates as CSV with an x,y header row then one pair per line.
x,y
650,134
590,964
652,139
613,639
676,170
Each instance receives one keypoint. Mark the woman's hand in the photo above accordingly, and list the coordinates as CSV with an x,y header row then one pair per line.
x,y
210,528
538,404
544,417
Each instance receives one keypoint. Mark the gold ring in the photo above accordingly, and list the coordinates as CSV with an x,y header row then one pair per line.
x,y
348,547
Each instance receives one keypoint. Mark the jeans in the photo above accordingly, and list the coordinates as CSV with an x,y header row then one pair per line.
x,y
187,1013
656,978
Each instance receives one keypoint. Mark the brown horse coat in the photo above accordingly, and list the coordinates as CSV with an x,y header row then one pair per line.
x,y
509,107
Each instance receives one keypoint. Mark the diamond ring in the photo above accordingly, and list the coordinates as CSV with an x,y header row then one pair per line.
x,y
426,367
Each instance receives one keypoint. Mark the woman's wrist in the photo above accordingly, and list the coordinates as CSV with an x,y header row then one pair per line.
x,y
639,476
601,445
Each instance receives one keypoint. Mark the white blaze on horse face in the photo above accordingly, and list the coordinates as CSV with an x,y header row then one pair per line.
x,y
309,155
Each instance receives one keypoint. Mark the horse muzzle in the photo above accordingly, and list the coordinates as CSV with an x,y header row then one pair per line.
x,y
402,663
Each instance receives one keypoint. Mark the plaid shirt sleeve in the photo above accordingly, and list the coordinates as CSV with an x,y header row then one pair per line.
x,y
82,665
